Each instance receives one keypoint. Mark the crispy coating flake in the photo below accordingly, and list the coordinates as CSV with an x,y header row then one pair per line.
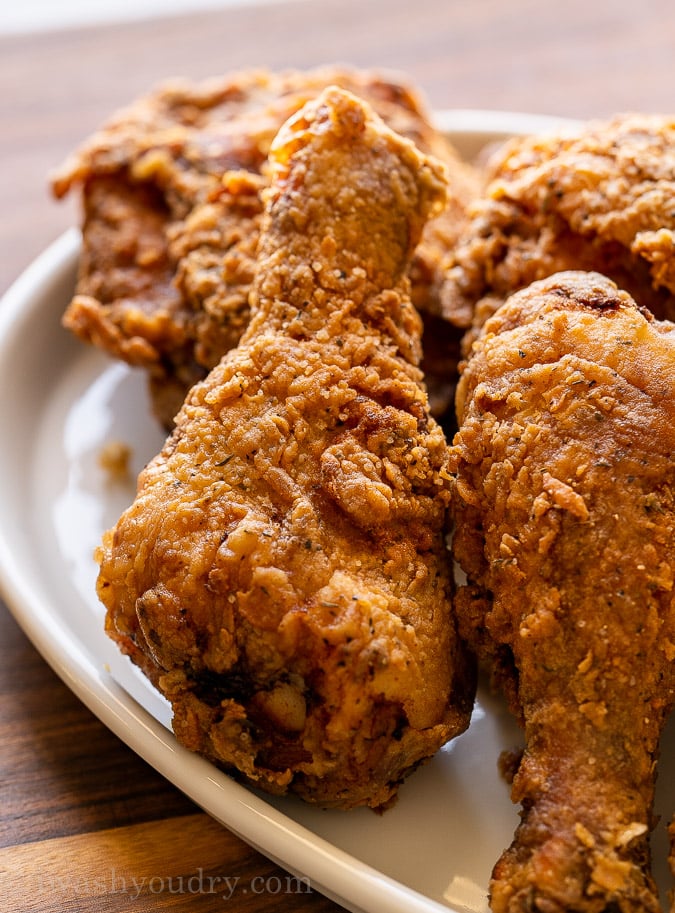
x,y
161,234
282,575
601,198
565,528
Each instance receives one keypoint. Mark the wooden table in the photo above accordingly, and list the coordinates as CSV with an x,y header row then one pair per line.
x,y
82,819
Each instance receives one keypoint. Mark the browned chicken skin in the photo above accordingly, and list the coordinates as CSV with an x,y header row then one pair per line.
x,y
598,198
565,528
160,233
282,575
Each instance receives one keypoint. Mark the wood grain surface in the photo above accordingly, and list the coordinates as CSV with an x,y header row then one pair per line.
x,y
85,825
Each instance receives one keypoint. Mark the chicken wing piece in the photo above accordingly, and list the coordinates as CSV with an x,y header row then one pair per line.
x,y
598,198
565,529
282,575
145,173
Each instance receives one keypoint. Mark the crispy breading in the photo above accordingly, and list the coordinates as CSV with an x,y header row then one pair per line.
x,y
565,528
282,576
596,198
153,174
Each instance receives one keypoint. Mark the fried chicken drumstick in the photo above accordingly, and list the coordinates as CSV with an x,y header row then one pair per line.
x,y
565,528
281,576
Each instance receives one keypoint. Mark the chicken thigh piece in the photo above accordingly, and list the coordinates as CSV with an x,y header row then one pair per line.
x,y
160,234
598,197
282,574
565,528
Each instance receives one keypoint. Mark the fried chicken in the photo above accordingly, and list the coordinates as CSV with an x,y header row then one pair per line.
x,y
282,574
598,199
565,529
158,224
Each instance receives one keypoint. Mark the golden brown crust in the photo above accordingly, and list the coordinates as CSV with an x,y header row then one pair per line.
x,y
152,176
599,198
565,528
282,574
